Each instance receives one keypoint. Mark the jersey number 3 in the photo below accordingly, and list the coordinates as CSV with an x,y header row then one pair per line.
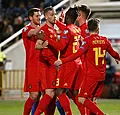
x,y
98,54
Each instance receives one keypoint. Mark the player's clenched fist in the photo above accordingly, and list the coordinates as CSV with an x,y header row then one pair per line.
x,y
40,35
57,62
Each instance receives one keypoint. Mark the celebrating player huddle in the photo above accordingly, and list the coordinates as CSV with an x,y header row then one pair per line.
x,y
73,66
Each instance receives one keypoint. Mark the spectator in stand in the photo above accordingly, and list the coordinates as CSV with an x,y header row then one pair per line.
x,y
30,5
12,10
6,30
22,10
110,70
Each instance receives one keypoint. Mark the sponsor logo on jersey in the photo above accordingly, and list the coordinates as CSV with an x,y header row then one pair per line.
x,y
64,37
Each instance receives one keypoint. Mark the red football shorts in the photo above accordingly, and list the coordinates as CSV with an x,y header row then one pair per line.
x,y
32,80
47,75
78,79
67,74
91,88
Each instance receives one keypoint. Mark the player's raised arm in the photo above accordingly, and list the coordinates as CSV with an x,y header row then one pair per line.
x,y
83,48
34,13
111,51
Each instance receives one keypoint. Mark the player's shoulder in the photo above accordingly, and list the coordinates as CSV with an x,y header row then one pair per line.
x,y
104,38
26,27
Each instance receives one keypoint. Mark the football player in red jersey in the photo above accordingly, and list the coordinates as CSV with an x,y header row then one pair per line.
x,y
70,39
95,48
83,14
48,55
32,83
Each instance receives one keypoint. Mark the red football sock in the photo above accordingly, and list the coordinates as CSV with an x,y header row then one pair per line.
x,y
43,104
65,103
51,107
28,106
81,108
92,107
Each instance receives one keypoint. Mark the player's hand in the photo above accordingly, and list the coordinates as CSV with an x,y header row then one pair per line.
x,y
45,44
57,62
40,35
61,18
58,32
117,61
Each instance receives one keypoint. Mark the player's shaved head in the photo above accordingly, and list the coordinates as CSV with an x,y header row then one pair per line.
x,y
48,9
71,15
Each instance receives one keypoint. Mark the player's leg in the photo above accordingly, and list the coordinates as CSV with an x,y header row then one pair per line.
x,y
32,86
64,101
51,107
88,89
29,102
44,102
90,105
35,104
81,108
59,107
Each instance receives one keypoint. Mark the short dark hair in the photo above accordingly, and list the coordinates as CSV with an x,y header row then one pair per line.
x,y
72,13
48,9
32,10
93,24
86,9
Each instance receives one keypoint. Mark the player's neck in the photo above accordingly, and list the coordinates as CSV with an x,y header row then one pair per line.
x,y
81,22
91,33
34,25
50,24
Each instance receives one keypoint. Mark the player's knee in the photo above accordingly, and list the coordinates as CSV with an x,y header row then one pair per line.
x,y
94,100
50,92
81,100
58,92
33,95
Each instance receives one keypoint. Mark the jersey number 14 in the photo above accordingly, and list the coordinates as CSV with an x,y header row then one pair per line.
x,y
98,55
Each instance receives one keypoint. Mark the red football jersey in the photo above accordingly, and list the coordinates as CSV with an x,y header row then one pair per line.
x,y
32,55
49,52
94,48
70,40
84,30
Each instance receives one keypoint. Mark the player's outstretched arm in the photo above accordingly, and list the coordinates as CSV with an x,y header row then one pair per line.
x,y
33,32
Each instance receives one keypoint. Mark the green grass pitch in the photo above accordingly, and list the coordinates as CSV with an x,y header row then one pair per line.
x,y
15,107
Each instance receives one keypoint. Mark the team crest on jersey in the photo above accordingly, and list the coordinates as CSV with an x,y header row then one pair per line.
x,y
65,31
29,86
25,28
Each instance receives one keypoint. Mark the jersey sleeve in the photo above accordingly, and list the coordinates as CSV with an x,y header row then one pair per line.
x,y
60,25
25,31
83,48
64,39
111,51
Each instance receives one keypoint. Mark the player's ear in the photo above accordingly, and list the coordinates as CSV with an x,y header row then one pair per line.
x,y
97,30
30,18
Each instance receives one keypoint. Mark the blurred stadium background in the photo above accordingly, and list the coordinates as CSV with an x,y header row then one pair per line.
x,y
13,17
